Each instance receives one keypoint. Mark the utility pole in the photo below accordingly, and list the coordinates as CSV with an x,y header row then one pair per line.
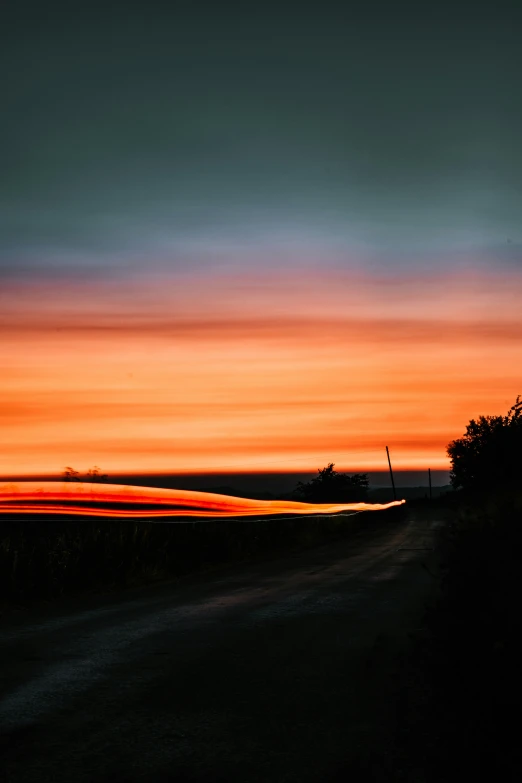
x,y
429,478
391,473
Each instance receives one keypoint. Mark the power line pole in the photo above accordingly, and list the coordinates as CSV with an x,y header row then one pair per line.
x,y
429,478
391,473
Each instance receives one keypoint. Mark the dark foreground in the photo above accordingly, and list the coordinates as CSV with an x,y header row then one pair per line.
x,y
283,670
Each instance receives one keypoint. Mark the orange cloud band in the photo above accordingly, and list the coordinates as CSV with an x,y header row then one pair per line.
x,y
249,372
113,500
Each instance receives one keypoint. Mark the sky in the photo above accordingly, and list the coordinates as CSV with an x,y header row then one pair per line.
x,y
256,237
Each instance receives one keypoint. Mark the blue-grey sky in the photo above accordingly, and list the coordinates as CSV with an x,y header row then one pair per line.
x,y
183,134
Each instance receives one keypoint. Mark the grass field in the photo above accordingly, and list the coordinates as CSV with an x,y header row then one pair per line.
x,y
43,559
462,680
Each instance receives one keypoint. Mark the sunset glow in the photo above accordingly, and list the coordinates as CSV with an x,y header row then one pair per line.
x,y
239,245
254,372
79,499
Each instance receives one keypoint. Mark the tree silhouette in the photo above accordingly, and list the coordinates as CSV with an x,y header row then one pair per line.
x,y
489,455
329,486
96,476
70,474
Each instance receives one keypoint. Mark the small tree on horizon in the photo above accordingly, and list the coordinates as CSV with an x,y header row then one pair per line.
x,y
489,454
70,474
329,486
94,475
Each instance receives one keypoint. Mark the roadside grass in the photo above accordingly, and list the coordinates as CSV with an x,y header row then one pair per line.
x,y
42,560
461,686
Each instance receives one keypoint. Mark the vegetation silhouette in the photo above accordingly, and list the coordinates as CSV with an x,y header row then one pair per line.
x,y
489,455
70,474
329,486
468,649
94,475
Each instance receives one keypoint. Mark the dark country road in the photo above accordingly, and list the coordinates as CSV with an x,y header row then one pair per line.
x,y
278,670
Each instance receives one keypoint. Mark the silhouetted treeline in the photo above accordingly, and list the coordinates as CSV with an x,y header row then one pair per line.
x,y
463,719
329,486
489,454
94,475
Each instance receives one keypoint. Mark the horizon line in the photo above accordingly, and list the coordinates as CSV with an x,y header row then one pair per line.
x,y
225,473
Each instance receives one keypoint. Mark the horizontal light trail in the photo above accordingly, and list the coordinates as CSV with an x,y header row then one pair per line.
x,y
56,497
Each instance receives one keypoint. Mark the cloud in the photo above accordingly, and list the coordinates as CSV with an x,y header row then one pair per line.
x,y
194,373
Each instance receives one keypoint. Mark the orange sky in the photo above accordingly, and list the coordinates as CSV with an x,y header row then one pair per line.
x,y
260,372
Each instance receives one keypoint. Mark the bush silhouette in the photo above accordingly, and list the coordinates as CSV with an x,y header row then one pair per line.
x,y
329,486
489,455
94,475
70,474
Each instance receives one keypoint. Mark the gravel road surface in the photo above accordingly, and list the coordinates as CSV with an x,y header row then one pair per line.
x,y
277,670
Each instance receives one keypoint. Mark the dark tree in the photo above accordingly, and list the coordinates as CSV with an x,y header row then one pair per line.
x,y
70,474
489,455
95,476
332,487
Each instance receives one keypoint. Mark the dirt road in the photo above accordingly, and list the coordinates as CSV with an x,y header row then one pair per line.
x,y
275,671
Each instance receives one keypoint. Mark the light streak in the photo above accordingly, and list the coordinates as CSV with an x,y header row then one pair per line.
x,y
120,501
